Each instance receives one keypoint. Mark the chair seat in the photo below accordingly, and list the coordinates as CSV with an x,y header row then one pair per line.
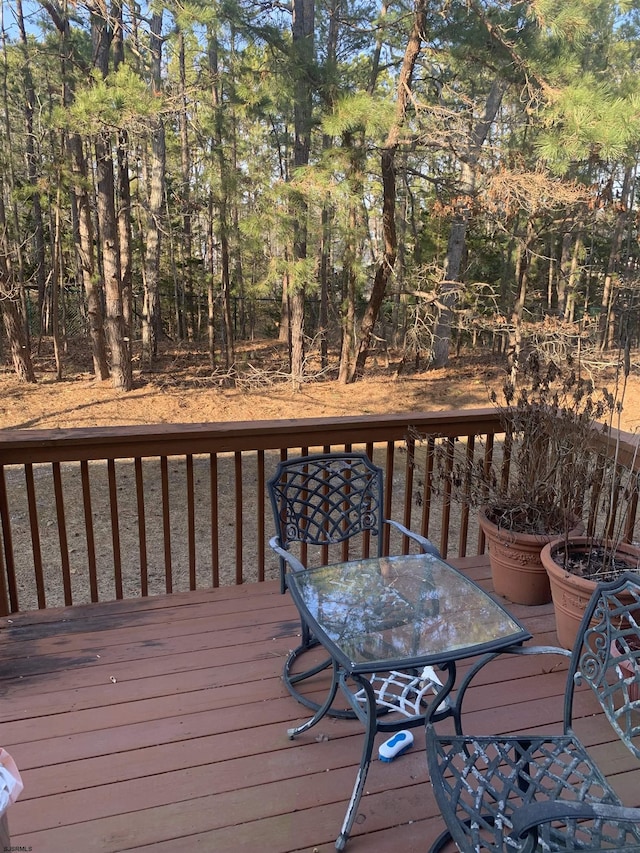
x,y
479,782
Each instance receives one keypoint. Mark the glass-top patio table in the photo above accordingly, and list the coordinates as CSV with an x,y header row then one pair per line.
x,y
397,613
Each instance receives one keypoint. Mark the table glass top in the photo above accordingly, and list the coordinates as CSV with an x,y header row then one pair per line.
x,y
400,609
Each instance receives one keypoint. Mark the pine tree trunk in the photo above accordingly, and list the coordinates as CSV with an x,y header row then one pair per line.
x,y
14,325
108,224
385,267
124,208
32,164
151,317
450,286
114,325
606,329
347,353
186,286
303,55
85,251
223,220
83,230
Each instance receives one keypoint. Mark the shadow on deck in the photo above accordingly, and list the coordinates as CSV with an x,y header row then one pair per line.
x,y
159,724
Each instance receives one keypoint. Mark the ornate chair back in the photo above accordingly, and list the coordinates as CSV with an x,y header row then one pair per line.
x,y
606,657
325,500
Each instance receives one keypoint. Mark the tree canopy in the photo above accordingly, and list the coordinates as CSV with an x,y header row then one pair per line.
x,y
336,175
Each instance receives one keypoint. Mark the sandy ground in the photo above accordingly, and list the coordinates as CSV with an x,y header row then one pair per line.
x,y
183,389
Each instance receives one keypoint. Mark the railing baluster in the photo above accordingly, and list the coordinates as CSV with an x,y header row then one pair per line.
x,y
4,599
9,591
261,513
88,528
191,523
35,535
388,494
366,536
166,524
464,509
408,491
446,498
142,528
486,462
427,493
115,527
238,538
214,520
62,533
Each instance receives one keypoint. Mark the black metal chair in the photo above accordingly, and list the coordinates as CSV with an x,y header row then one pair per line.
x,y
531,792
336,499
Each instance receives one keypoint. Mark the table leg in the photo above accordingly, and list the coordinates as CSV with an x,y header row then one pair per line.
x,y
365,761
322,710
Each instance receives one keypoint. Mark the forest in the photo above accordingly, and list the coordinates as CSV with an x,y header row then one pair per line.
x,y
341,176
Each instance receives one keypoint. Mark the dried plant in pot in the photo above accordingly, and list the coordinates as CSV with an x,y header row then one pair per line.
x,y
526,496
576,564
606,493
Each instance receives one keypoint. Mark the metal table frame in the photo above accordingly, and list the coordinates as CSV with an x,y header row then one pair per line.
x,y
344,607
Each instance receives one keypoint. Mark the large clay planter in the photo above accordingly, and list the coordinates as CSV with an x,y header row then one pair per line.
x,y
571,593
516,569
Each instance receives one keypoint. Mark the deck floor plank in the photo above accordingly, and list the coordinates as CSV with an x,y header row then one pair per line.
x,y
160,724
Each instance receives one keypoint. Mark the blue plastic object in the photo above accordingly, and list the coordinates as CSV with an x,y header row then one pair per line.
x,y
396,745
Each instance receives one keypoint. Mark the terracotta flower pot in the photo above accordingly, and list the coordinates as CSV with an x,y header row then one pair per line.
x,y
516,569
571,593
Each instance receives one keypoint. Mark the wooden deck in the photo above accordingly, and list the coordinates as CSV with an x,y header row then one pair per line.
x,y
159,724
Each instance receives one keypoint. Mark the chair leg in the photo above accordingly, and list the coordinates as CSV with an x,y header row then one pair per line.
x,y
441,842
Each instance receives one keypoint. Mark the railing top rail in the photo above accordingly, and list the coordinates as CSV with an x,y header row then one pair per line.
x,y
87,443
18,446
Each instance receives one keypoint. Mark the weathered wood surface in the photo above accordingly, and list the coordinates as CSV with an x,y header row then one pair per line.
x,y
159,724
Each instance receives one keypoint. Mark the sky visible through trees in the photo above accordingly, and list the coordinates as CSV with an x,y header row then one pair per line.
x,y
337,175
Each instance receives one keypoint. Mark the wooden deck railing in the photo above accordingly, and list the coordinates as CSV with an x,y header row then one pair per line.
x,y
101,513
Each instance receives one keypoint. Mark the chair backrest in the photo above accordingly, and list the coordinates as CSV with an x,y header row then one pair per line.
x,y
326,499
607,657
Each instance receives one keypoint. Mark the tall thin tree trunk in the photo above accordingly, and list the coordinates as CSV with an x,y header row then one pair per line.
x,y
85,251
569,307
385,267
522,266
10,306
325,259
211,304
84,231
56,279
349,300
114,325
151,316
108,225
450,286
605,321
303,55
124,206
32,163
185,175
223,216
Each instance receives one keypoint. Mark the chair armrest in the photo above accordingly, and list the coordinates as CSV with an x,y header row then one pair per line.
x,y
513,650
427,546
528,817
286,559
